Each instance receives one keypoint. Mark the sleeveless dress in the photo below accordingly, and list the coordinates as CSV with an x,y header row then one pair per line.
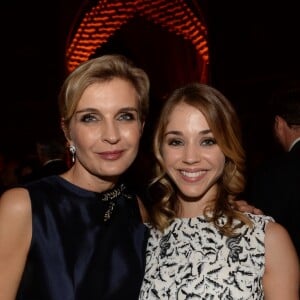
x,y
192,260
85,245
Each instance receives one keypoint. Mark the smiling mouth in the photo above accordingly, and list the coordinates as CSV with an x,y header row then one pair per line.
x,y
192,174
111,155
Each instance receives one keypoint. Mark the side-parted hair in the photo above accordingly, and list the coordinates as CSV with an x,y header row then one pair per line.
x,y
224,124
101,69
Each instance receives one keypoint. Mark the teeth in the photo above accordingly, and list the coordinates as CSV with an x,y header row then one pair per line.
x,y
191,174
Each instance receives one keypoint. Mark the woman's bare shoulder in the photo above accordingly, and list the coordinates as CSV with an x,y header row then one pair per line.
x,y
15,202
275,233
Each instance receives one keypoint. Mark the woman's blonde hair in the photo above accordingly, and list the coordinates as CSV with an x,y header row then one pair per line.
x,y
101,69
224,124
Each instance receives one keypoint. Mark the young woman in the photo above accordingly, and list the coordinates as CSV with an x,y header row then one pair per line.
x,y
80,235
200,245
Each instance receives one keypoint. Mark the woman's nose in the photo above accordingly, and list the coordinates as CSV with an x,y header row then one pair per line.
x,y
191,154
111,133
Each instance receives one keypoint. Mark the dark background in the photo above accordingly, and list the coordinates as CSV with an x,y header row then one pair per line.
x,y
254,49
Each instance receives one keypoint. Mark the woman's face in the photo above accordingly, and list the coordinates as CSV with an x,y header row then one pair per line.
x,y
106,129
192,158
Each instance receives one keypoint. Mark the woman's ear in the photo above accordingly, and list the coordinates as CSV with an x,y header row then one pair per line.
x,y
142,127
65,129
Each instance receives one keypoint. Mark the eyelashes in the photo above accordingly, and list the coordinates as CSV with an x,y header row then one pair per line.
x,y
127,116
88,118
180,142
91,117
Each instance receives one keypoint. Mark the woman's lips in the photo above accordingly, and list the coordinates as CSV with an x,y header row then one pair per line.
x,y
111,155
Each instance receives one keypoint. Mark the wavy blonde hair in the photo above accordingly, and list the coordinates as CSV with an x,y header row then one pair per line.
x,y
224,124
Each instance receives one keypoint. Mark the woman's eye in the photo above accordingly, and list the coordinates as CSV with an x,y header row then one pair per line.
x,y
208,142
88,118
174,142
126,117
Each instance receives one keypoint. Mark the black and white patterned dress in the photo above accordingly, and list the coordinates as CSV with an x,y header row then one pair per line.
x,y
192,260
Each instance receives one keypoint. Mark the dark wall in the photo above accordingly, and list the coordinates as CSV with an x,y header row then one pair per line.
x,y
253,49
33,36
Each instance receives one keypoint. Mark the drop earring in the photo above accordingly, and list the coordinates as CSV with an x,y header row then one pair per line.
x,y
73,151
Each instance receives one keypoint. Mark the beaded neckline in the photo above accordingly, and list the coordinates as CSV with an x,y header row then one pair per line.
x,y
112,194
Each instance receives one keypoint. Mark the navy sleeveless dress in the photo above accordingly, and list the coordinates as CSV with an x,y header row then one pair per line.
x,y
85,245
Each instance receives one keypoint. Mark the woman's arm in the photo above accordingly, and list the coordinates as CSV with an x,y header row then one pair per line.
x,y
281,278
15,238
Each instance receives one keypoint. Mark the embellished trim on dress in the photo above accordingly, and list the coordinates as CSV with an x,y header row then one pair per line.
x,y
114,193
110,198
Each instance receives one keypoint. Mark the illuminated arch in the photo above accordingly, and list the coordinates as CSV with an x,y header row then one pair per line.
x,y
102,20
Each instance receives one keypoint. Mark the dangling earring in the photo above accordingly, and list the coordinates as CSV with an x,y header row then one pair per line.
x,y
73,151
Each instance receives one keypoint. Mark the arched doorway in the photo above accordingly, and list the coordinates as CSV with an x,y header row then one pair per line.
x,y
168,39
